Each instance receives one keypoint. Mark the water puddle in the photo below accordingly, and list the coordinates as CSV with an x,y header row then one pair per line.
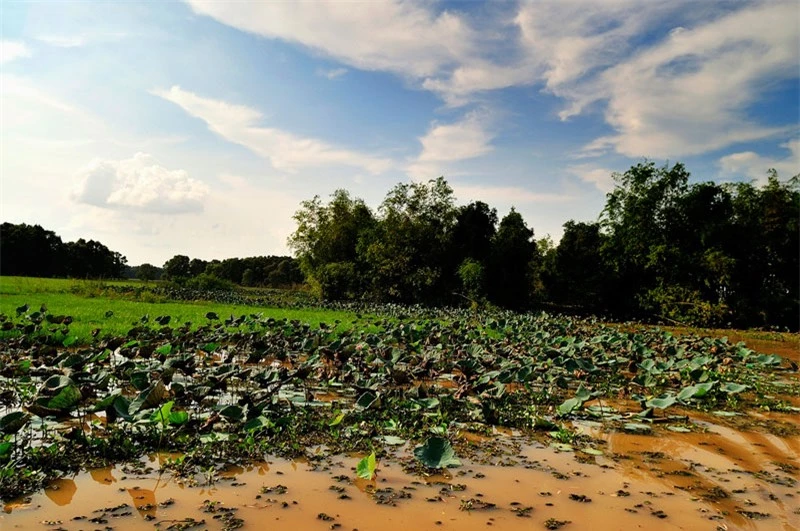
x,y
720,479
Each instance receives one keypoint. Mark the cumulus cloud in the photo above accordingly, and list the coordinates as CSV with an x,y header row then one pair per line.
x,y
11,50
284,150
751,164
445,144
140,184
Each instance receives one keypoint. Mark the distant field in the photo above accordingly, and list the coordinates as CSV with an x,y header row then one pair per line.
x,y
80,300
26,285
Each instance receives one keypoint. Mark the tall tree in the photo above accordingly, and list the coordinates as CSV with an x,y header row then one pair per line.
x,y
765,285
575,273
30,250
326,243
177,268
406,250
512,263
638,217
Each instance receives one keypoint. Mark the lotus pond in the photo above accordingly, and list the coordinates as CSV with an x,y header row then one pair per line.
x,y
401,417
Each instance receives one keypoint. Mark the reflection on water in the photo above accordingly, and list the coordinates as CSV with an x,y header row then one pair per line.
x,y
61,491
103,475
722,479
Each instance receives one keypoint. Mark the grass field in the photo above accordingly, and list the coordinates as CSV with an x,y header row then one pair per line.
x,y
84,302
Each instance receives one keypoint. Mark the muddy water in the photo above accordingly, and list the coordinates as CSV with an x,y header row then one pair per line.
x,y
720,479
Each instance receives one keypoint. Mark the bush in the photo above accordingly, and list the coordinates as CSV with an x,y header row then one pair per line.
x,y
685,306
204,281
337,280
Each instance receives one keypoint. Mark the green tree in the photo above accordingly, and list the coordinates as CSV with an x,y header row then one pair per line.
x,y
30,250
147,272
574,273
638,217
329,234
512,263
406,251
470,272
197,267
475,226
92,259
764,285
177,268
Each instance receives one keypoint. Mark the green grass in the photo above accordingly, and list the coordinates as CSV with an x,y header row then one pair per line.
x,y
89,312
28,285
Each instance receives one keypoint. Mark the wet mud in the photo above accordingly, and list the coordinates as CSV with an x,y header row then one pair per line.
x,y
715,478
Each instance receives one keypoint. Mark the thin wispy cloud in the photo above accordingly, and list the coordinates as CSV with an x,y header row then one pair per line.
x,y
332,73
285,151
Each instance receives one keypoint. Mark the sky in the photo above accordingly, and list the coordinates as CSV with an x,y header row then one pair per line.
x,y
198,128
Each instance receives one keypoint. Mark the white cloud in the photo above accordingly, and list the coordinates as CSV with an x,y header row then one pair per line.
x,y
332,73
445,144
241,217
285,151
25,93
665,94
755,166
406,38
139,183
601,178
690,93
11,50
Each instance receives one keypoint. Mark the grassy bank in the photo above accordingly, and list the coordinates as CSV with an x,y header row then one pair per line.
x,y
90,308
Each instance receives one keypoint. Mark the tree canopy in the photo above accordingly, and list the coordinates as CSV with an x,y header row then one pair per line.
x,y
664,247
30,250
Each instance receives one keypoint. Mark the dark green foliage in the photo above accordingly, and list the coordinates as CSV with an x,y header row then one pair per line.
x,y
472,235
664,249
30,250
147,272
575,273
702,253
326,244
177,268
255,271
407,251
511,263
204,281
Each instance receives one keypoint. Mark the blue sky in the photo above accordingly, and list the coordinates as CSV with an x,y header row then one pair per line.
x,y
199,127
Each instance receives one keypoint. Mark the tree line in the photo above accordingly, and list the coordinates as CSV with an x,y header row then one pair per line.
x,y
663,248
262,271
30,250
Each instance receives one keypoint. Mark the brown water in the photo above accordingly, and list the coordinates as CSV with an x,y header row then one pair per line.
x,y
722,479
